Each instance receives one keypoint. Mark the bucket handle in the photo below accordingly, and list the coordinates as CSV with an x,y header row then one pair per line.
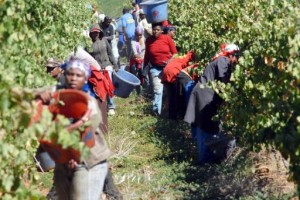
x,y
38,164
81,121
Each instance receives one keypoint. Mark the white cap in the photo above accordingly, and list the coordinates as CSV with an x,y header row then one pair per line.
x,y
231,48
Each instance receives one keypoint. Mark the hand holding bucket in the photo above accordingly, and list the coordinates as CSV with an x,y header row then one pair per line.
x,y
72,104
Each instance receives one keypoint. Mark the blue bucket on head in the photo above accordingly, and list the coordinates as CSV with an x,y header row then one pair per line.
x,y
155,10
124,83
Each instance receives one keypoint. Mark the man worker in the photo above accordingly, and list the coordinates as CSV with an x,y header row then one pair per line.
x,y
128,26
108,29
144,24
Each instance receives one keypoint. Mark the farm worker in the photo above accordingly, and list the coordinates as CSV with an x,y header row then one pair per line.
x,y
144,24
204,102
95,11
114,46
53,68
84,179
160,49
170,30
137,58
169,75
185,81
128,26
102,52
107,28
135,12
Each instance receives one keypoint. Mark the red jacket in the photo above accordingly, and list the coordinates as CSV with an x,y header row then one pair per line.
x,y
173,68
102,83
159,50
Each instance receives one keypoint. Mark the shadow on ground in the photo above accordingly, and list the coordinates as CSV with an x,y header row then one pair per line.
x,y
231,179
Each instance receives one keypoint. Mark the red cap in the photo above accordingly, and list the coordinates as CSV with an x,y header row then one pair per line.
x,y
95,30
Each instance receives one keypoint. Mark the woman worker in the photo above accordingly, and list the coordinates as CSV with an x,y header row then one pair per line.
x,y
204,103
102,53
160,48
137,58
84,179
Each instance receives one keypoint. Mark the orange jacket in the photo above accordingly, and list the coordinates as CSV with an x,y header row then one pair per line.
x,y
173,68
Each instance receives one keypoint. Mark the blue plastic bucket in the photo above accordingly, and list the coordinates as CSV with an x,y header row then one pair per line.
x,y
45,161
156,10
124,83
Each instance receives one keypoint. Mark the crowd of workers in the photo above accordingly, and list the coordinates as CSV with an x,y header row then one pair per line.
x,y
151,55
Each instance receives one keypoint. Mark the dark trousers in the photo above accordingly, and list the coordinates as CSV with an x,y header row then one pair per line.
x,y
110,188
171,100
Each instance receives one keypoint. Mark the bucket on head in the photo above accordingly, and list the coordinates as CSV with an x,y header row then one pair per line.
x,y
73,104
155,10
124,83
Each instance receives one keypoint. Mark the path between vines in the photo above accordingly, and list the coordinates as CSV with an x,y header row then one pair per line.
x,y
265,172
155,159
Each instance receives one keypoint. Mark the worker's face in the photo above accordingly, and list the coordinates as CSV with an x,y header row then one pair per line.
x,y
156,30
172,33
107,22
142,16
138,36
75,79
234,59
94,36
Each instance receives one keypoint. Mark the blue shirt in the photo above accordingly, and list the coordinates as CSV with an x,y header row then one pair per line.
x,y
129,23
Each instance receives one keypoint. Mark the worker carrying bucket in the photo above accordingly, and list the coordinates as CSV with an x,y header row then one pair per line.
x,y
71,169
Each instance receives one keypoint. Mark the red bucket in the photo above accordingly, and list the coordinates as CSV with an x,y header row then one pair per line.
x,y
72,104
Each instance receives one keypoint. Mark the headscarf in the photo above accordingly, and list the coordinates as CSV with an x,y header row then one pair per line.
x,y
81,65
226,50
139,30
166,29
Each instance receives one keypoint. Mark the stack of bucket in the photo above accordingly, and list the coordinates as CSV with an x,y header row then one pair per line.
x,y
155,10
